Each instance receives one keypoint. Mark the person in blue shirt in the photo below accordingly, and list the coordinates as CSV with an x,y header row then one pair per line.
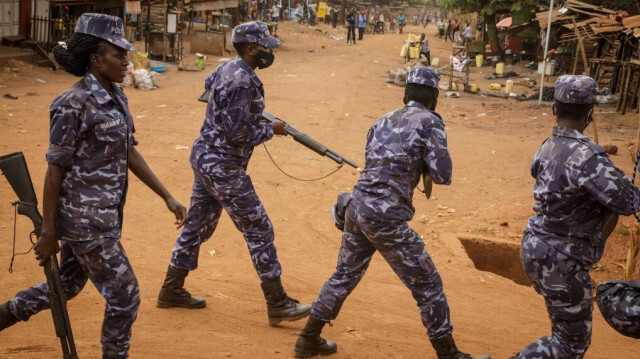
x,y
402,21
362,23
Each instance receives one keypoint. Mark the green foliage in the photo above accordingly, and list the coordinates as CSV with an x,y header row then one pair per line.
x,y
613,4
488,7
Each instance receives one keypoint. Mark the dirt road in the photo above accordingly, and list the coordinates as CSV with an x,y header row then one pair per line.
x,y
334,92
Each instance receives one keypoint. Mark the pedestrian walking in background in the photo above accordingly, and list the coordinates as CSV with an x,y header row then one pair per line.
x,y
455,27
351,19
447,34
362,23
402,20
425,49
334,16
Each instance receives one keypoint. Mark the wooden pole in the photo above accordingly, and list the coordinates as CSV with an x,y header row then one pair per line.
x,y
621,87
544,55
625,92
581,46
634,245
575,60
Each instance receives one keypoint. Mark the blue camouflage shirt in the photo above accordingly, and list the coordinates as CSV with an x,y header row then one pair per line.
x,y
90,134
232,125
399,147
576,182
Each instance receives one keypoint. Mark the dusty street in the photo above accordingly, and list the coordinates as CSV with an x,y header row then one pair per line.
x,y
334,93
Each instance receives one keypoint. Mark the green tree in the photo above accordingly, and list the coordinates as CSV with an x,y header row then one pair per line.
x,y
613,4
488,10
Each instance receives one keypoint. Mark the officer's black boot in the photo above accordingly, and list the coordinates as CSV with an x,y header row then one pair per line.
x,y
309,342
279,306
172,294
446,349
6,318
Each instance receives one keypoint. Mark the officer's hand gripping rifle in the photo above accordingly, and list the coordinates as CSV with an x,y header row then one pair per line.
x,y
14,168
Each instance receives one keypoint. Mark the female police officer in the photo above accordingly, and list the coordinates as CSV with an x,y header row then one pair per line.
x,y
90,151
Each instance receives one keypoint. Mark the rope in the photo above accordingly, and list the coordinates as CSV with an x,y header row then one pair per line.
x,y
296,178
13,250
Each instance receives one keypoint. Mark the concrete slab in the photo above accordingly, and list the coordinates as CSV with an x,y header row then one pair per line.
x,y
14,53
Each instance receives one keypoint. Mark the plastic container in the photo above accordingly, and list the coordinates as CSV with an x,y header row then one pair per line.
x,y
414,52
474,88
495,86
403,51
158,68
508,88
500,68
435,61
479,60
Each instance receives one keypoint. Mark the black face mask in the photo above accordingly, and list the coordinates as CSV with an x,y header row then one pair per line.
x,y
264,59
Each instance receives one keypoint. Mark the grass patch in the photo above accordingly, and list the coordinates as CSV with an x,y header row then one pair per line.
x,y
481,229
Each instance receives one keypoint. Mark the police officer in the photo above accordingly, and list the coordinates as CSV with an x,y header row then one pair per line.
x,y
577,190
219,159
400,146
91,149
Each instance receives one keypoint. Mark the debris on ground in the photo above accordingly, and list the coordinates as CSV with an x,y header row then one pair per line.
x,y
611,149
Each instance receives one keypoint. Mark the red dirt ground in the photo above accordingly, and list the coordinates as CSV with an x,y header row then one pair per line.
x,y
334,92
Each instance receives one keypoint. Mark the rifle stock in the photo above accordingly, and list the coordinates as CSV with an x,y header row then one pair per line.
x,y
300,137
14,167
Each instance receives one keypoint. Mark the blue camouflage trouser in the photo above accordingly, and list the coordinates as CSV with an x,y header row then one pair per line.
x,y
403,249
565,285
108,268
231,189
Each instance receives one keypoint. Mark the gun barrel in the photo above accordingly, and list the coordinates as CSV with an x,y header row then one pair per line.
x,y
309,142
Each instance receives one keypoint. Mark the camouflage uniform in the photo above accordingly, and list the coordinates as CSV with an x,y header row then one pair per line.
x,y
219,158
400,145
619,303
576,185
90,135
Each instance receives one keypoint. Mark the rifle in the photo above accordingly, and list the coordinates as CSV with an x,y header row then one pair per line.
x,y
14,168
300,137
309,142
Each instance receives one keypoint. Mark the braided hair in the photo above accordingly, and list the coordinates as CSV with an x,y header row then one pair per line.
x,y
73,55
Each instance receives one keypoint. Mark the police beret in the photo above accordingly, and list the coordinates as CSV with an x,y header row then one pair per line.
x,y
106,27
576,89
254,31
423,76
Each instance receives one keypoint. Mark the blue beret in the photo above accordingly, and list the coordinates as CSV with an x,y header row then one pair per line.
x,y
106,27
254,31
576,89
423,76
